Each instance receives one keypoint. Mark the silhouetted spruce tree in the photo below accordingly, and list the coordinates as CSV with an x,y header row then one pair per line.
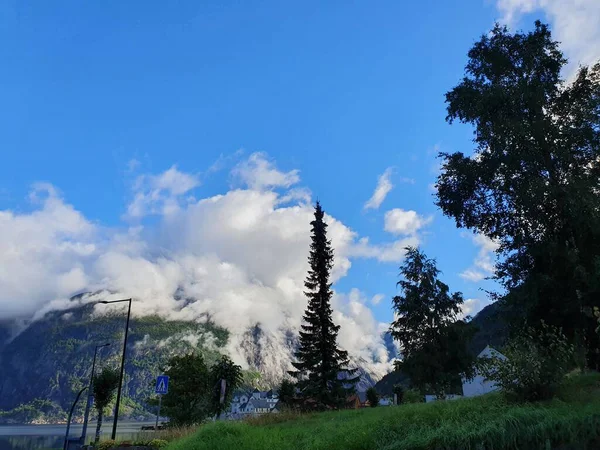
x,y
319,360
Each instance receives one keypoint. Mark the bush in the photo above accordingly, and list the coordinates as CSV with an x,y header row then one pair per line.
x,y
398,389
158,443
106,445
413,396
372,397
536,362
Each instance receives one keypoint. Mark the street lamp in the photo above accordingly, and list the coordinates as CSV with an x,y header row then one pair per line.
x,y
106,302
90,394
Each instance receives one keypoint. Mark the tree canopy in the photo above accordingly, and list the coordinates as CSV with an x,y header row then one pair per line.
x,y
104,386
433,343
532,182
189,398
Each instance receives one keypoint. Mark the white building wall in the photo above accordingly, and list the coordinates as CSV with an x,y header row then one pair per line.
x,y
479,385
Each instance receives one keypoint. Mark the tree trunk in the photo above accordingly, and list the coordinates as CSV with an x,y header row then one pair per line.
x,y
98,426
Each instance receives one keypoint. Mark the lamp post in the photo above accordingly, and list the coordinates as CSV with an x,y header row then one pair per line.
x,y
106,302
90,395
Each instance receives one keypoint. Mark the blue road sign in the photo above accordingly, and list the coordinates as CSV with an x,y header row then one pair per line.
x,y
162,384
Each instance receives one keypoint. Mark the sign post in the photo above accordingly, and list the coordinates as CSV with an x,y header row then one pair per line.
x,y
162,387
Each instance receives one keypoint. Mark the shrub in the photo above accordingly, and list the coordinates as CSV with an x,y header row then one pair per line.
x,y
398,389
372,397
536,362
158,443
106,445
413,396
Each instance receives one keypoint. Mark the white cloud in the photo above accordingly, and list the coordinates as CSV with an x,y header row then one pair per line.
x,y
472,275
483,265
376,299
384,186
575,24
43,254
400,221
160,194
257,172
242,257
388,252
352,314
471,306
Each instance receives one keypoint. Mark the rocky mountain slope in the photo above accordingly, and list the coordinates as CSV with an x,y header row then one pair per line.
x,y
50,359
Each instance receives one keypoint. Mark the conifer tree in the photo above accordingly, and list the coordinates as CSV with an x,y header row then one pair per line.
x,y
320,362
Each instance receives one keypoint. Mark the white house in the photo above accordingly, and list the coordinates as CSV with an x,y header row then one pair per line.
x,y
479,385
252,403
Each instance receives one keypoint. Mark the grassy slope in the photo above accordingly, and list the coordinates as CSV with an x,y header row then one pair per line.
x,y
572,417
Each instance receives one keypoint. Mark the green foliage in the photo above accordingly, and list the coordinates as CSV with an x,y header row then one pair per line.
x,y
533,181
399,392
287,391
224,369
487,422
319,360
189,398
158,443
434,343
148,442
106,445
413,396
104,387
38,410
372,397
536,363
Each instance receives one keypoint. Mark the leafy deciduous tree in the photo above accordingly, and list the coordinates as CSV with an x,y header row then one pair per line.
x,y
189,398
533,181
433,342
104,386
224,369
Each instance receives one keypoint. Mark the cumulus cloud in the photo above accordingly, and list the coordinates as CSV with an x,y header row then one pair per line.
x,y
43,253
575,24
483,265
160,194
257,172
239,258
384,186
400,221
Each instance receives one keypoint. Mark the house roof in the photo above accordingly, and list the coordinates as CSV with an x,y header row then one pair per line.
x,y
489,352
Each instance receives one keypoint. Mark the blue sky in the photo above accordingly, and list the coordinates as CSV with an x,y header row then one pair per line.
x,y
99,96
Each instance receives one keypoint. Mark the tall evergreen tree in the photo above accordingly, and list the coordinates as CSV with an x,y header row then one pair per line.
x,y
319,360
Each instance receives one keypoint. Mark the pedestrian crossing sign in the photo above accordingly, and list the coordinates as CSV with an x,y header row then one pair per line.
x,y
162,384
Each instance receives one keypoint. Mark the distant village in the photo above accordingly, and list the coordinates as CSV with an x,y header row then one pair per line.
x,y
246,403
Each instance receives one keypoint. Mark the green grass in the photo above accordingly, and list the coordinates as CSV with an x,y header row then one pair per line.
x,y
488,422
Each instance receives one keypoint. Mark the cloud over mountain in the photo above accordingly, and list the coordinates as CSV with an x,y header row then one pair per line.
x,y
238,257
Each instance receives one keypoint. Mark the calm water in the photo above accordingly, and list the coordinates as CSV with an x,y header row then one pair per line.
x,y
29,437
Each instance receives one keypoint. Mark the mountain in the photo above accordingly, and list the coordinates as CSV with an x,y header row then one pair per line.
x,y
44,363
51,358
